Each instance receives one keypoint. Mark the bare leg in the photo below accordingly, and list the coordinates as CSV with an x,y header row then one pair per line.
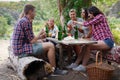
x,y
79,56
99,46
77,49
86,56
69,51
49,47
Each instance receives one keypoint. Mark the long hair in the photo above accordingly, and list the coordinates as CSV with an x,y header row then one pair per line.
x,y
86,13
94,10
21,15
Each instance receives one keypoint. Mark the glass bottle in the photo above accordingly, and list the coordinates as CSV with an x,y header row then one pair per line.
x,y
64,32
47,31
60,33
76,32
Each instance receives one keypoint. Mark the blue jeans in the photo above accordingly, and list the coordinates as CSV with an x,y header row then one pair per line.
x,y
109,42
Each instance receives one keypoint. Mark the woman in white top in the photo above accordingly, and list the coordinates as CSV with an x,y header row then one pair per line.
x,y
87,32
53,29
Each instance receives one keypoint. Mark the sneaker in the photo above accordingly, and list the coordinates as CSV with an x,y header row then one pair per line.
x,y
80,68
60,72
73,65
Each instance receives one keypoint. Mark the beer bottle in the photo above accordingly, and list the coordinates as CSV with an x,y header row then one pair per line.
x,y
60,33
47,31
76,32
64,32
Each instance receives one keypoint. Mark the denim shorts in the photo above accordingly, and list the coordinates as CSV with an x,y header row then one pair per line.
x,y
37,50
109,42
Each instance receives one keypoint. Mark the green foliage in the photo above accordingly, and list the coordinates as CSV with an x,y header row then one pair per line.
x,y
114,23
7,14
74,4
106,2
46,9
9,18
3,25
104,5
115,27
116,35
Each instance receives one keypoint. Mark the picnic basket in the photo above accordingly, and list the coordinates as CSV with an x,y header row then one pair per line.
x,y
99,70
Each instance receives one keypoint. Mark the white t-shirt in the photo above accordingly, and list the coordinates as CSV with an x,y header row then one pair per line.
x,y
53,31
73,25
86,30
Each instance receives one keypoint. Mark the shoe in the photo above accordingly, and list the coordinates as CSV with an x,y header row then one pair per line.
x,y
73,65
60,72
80,68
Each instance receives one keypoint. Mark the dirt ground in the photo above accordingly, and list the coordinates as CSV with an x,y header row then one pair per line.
x,y
8,74
5,73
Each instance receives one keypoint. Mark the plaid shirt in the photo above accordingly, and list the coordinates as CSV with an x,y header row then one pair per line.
x,y
22,36
100,27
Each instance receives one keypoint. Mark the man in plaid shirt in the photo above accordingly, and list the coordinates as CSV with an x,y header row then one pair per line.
x,y
25,43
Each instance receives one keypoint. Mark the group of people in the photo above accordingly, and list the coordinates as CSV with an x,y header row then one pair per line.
x,y
92,25
95,27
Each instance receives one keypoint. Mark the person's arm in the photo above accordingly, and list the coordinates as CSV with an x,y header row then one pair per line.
x,y
93,21
69,28
30,35
39,37
80,29
28,32
34,40
56,32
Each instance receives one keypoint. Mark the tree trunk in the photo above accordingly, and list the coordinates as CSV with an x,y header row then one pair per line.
x,y
60,8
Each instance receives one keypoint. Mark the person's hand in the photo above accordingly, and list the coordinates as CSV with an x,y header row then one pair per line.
x,y
86,37
74,23
78,22
42,34
69,34
46,23
69,28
